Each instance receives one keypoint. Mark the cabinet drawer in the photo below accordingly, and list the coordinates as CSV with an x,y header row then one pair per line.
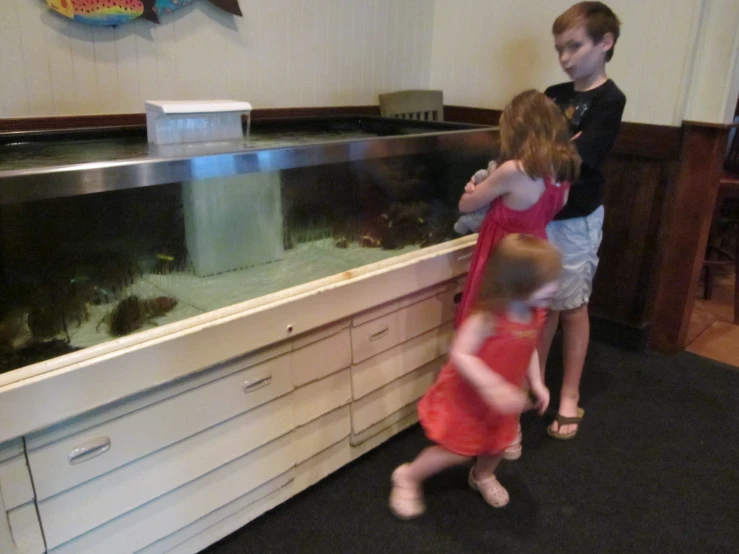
x,y
168,514
320,397
392,364
26,530
321,433
322,465
15,482
378,335
321,358
427,314
375,336
383,402
383,430
222,522
136,434
374,313
93,503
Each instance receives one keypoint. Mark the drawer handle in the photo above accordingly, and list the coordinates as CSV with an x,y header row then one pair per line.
x,y
89,450
379,334
464,257
251,386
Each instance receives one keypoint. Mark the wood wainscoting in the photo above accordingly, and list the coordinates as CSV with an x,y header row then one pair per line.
x,y
687,221
639,172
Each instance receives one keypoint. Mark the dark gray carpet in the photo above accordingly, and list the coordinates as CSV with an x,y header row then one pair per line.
x,y
655,468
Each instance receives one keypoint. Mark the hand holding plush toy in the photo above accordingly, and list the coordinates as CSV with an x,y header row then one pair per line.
x,y
470,222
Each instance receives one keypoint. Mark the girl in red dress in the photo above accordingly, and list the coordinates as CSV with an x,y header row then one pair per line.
x,y
473,407
529,185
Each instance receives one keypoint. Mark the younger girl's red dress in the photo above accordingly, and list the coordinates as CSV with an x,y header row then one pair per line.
x,y
501,221
453,414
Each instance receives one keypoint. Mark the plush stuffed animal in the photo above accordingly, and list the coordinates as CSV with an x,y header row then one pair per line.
x,y
470,222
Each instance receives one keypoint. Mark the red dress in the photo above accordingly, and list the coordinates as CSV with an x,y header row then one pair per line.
x,y
453,414
501,221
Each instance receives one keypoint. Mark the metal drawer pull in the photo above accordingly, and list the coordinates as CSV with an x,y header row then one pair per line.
x,y
464,257
251,386
379,334
90,449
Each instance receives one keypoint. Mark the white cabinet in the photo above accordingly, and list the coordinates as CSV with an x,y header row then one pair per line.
x,y
178,467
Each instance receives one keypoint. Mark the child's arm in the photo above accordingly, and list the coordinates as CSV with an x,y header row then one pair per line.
x,y
538,389
498,393
498,183
595,141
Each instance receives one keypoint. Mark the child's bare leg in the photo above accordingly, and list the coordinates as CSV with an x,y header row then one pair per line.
x,y
431,461
545,339
482,478
406,497
486,465
575,338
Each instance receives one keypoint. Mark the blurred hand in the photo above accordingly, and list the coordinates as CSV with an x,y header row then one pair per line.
x,y
541,393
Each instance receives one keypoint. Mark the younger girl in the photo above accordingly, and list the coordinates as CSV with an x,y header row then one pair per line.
x,y
529,186
473,407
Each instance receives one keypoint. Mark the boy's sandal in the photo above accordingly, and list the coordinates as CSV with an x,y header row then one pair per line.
x,y
561,420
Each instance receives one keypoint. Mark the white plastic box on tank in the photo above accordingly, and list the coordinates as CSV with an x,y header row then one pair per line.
x,y
220,211
184,121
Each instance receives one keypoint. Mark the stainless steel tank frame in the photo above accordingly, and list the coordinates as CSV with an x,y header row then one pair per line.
x,y
177,163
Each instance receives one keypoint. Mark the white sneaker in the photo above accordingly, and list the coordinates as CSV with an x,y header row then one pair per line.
x,y
514,450
490,488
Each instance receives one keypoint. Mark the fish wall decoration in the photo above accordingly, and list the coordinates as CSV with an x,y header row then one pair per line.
x,y
111,13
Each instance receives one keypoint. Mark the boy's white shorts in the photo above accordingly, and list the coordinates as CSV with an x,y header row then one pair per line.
x,y
578,241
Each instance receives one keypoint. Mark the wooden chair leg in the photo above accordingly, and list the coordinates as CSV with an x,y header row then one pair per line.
x,y
707,282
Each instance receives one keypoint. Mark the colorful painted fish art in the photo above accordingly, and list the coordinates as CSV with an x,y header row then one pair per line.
x,y
110,13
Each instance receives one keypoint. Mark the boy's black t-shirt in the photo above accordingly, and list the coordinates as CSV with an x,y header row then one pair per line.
x,y
597,114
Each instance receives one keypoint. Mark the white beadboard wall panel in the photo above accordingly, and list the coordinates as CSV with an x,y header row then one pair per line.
x,y
508,47
715,78
676,58
282,53
14,95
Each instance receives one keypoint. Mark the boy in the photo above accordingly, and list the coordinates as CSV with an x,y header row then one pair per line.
x,y
584,37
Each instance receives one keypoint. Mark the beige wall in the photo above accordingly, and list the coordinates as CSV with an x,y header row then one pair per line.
x,y
676,58
508,46
714,82
283,53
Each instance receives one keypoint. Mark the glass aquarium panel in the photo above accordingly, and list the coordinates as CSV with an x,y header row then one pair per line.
x,y
81,270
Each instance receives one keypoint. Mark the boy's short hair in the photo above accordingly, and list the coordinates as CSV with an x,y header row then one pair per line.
x,y
597,18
